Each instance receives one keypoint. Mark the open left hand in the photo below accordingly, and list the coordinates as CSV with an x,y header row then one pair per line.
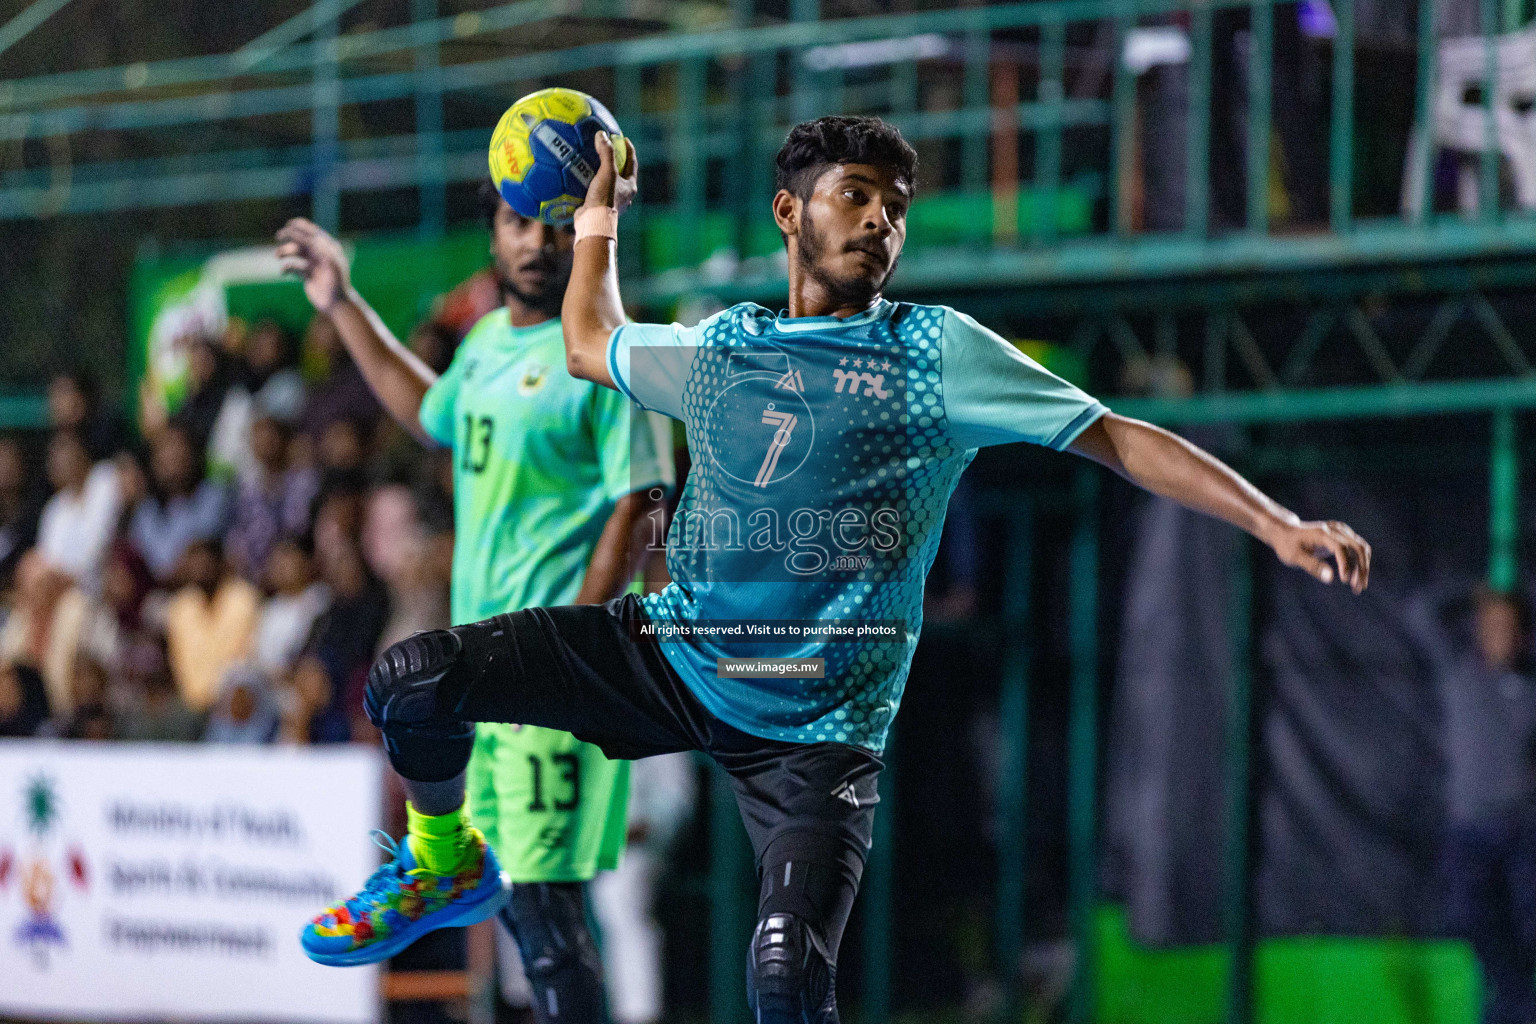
x,y
609,187
1328,550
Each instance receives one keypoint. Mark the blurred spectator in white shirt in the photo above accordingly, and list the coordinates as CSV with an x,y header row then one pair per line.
x,y
288,616
266,383
78,522
182,506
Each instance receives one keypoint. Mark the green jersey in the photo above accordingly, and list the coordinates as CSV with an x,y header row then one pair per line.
x,y
539,459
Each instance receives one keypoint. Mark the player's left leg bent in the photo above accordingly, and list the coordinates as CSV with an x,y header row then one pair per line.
x,y
809,810
576,669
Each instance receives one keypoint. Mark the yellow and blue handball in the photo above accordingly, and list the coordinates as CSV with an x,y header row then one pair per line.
x,y
544,152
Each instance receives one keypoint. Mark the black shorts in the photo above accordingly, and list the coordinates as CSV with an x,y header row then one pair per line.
x,y
578,668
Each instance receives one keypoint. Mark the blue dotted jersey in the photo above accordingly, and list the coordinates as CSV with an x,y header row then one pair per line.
x,y
824,455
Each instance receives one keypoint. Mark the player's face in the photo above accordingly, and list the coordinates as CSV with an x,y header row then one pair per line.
x,y
852,229
533,259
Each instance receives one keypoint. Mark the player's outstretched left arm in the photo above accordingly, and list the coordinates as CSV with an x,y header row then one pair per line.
x,y
592,310
1167,465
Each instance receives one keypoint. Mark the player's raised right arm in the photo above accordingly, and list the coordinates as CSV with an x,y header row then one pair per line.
x,y
396,375
592,310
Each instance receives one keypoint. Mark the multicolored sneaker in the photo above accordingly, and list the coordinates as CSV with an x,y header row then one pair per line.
x,y
402,902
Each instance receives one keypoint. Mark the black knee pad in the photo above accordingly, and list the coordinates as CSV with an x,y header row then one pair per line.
x,y
790,977
406,699
550,923
403,683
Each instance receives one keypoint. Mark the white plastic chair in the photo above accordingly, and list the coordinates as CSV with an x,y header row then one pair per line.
x,y
1458,119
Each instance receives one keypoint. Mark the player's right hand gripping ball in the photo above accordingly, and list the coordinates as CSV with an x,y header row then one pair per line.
x,y
544,153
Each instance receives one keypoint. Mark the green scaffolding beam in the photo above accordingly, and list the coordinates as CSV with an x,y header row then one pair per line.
x,y
23,412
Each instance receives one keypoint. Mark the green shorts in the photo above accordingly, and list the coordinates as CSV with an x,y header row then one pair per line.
x,y
553,808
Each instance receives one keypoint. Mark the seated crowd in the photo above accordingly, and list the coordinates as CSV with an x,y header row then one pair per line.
x,y
224,572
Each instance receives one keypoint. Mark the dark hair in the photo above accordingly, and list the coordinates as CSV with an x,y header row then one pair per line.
x,y
282,425
813,146
489,200
303,543
212,545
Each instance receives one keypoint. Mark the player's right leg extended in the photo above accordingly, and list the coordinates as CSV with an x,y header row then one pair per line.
x,y
445,874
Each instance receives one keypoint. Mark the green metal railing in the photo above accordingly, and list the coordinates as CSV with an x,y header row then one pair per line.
x,y
713,105
23,412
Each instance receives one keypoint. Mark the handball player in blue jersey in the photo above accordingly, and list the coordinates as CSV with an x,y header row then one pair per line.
x,y
826,441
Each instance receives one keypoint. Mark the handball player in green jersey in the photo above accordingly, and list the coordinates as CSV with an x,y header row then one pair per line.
x,y
826,440
552,476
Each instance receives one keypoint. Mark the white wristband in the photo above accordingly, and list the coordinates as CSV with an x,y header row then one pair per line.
x,y
602,221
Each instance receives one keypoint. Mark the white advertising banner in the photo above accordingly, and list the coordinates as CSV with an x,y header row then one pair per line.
x,y
149,881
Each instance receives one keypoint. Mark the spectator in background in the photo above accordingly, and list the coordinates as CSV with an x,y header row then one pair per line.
x,y
436,342
132,467
463,307
347,635
210,375
1489,852
90,716
276,499
209,624
342,394
74,405
343,451
77,524
247,710
662,791
271,372
157,712
288,617
339,517
312,714
413,566
31,635
55,623
23,700
19,509
265,383
183,506
119,621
